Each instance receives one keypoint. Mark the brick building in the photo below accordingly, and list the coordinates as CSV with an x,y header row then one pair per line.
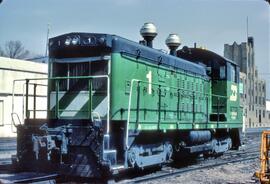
x,y
252,88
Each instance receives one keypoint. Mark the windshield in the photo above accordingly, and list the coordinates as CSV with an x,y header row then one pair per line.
x,y
92,68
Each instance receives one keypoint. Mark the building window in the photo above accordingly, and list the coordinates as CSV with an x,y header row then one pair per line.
x,y
260,118
263,113
256,113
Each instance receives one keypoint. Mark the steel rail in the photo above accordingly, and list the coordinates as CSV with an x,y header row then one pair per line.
x,y
37,179
184,170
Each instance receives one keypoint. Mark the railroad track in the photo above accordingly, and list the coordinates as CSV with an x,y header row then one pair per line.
x,y
164,173
247,154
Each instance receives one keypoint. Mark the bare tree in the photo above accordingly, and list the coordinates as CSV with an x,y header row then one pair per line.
x,y
15,49
2,52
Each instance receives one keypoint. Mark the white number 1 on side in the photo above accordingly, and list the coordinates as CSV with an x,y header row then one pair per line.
x,y
149,77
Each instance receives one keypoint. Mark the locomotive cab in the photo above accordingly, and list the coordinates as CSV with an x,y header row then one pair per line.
x,y
224,76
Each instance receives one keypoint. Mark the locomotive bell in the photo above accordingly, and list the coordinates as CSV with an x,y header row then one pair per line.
x,y
173,42
149,32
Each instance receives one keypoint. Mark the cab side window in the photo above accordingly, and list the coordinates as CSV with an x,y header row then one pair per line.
x,y
232,73
222,72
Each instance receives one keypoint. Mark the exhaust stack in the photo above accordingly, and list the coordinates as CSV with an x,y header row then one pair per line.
x,y
173,42
148,32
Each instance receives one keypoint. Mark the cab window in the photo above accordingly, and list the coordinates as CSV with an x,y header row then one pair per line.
x,y
231,72
222,72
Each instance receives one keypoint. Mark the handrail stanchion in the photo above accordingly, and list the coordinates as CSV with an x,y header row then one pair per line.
x,y
129,107
178,104
26,99
34,101
138,106
207,111
218,111
159,106
90,98
56,99
193,110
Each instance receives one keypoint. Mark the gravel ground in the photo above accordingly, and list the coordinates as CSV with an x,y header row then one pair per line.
x,y
234,173
230,174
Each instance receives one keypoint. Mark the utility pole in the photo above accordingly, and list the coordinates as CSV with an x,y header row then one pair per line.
x,y
247,28
47,40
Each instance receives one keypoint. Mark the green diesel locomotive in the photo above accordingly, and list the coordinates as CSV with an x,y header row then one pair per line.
x,y
114,104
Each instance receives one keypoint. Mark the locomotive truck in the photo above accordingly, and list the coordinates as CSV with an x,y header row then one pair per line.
x,y
115,104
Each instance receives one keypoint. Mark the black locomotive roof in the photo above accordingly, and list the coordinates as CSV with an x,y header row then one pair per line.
x,y
117,44
201,55
124,46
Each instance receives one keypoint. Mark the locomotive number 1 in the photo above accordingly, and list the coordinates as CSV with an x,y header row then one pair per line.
x,y
149,77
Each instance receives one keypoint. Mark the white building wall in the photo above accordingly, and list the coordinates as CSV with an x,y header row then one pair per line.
x,y
13,69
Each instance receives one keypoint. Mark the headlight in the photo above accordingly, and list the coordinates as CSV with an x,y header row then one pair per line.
x,y
75,40
68,41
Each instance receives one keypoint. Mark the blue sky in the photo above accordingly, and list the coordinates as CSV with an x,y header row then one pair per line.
x,y
210,23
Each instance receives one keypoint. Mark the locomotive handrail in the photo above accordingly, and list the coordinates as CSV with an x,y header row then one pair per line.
x,y
130,98
93,77
220,96
129,106
177,88
13,122
69,77
23,94
205,94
